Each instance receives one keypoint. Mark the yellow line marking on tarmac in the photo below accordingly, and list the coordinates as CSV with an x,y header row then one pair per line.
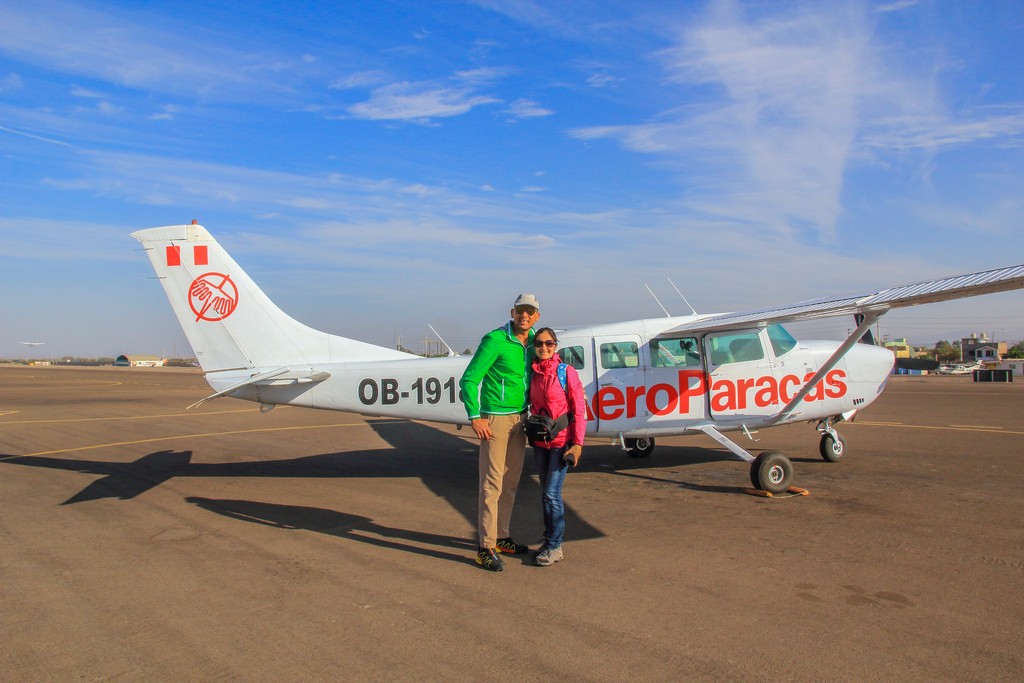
x,y
953,428
127,417
48,387
9,412
183,436
976,427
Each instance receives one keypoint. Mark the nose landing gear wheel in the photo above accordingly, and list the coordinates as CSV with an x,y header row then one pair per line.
x,y
772,472
639,448
832,447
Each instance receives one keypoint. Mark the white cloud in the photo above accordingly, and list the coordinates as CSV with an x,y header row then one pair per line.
x,y
896,6
776,108
360,79
78,91
418,101
601,80
167,112
526,109
159,55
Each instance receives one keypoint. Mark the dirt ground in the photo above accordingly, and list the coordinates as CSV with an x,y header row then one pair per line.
x,y
141,542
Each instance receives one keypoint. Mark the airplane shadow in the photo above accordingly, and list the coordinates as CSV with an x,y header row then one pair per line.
x,y
444,462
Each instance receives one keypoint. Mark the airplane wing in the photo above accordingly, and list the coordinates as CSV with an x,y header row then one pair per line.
x,y
870,304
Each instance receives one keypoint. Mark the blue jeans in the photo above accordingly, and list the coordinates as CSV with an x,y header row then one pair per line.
x,y
552,471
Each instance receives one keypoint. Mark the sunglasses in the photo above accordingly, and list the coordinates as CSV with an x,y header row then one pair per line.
x,y
526,309
550,343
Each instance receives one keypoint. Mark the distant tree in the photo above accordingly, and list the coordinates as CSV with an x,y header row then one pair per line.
x,y
1015,351
946,352
467,352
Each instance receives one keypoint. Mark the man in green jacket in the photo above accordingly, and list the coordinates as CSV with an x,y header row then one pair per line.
x,y
497,411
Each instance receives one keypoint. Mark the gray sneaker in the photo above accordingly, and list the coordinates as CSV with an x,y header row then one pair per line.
x,y
548,556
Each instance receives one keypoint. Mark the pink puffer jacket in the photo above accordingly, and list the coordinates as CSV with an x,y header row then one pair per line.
x,y
548,398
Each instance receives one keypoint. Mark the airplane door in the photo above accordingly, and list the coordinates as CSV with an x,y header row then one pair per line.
x,y
741,375
675,382
618,403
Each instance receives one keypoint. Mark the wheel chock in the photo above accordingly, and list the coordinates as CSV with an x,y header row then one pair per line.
x,y
795,490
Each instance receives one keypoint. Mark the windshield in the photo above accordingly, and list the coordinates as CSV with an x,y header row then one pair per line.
x,y
782,340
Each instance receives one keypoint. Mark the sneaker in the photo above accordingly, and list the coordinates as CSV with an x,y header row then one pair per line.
x,y
489,559
548,556
507,545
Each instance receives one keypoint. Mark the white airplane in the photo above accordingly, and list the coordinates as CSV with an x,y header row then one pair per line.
x,y
32,344
694,374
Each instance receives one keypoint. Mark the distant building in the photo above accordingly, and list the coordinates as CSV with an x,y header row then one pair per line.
x,y
133,361
899,347
975,348
1014,365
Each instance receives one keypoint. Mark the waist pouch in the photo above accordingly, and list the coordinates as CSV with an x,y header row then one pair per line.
x,y
544,428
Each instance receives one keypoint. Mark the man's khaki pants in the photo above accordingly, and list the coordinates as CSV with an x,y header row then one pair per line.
x,y
501,465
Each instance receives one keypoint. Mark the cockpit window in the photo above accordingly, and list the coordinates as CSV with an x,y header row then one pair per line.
x,y
782,341
734,347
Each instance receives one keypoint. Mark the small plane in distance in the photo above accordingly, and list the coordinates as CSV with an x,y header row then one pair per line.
x,y
32,344
696,374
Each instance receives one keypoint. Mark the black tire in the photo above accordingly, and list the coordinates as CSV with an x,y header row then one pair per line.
x,y
640,448
772,472
832,449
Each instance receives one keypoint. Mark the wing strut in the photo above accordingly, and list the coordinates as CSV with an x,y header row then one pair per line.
x,y
865,325
736,449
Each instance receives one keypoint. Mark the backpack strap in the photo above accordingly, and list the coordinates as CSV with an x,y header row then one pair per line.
x,y
561,377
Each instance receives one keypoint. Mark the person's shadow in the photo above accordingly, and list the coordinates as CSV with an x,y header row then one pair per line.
x,y
340,524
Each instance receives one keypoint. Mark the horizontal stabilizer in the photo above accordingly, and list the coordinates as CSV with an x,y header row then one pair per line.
x,y
273,377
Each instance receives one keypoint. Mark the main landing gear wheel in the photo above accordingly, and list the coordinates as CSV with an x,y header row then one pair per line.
x,y
832,447
639,448
772,472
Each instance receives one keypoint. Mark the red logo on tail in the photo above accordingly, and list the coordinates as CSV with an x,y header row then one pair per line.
x,y
212,297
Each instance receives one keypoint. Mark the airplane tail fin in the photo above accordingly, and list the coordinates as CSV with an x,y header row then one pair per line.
x,y
229,321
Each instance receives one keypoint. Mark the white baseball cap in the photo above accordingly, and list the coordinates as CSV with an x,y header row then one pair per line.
x,y
527,300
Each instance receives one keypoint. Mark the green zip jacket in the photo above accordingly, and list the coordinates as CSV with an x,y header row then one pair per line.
x,y
501,363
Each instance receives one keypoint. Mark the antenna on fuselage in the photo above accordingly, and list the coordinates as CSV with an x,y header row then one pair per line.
x,y
667,314
681,296
451,352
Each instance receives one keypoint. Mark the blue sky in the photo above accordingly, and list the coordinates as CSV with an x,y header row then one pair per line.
x,y
380,166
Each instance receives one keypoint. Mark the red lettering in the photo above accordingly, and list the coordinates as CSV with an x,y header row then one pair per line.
x,y
784,383
836,386
609,398
670,403
611,403
633,394
743,384
768,393
725,399
815,394
686,392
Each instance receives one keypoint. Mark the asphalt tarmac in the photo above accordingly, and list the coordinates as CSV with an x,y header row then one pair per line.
x,y
140,542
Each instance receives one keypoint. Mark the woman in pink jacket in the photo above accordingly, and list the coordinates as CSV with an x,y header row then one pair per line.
x,y
557,393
